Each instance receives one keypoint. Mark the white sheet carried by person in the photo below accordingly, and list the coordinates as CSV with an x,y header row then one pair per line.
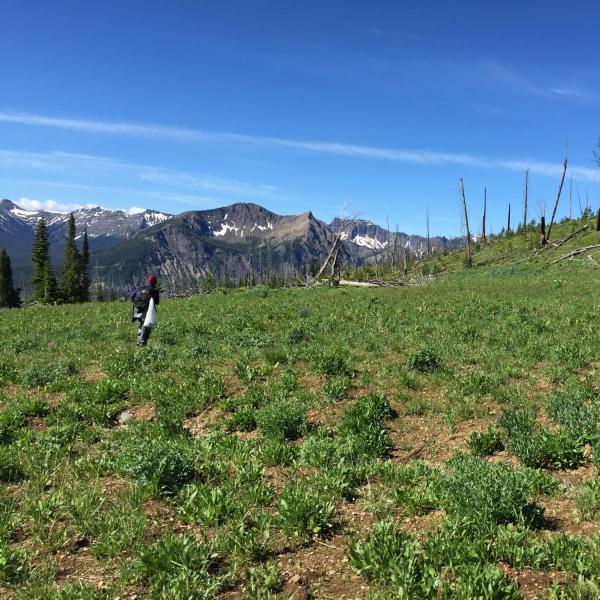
x,y
151,316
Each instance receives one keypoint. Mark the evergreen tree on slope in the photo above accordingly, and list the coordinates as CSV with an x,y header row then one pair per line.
x,y
70,281
84,278
9,295
44,284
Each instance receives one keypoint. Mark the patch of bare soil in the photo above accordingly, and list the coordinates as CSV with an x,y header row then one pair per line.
x,y
143,412
421,525
562,515
355,518
503,456
430,438
205,422
77,565
278,477
533,584
93,376
574,477
320,571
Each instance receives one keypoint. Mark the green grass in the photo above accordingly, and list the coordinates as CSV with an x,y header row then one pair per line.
x,y
417,432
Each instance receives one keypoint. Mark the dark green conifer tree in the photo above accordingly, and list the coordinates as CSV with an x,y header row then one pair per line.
x,y
44,283
84,278
9,295
70,281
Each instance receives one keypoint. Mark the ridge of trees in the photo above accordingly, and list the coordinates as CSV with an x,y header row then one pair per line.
x,y
74,283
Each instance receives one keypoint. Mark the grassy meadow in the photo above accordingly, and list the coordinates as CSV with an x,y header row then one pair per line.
x,y
415,442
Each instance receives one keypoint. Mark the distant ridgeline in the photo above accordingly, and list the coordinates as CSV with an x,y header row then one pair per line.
x,y
235,245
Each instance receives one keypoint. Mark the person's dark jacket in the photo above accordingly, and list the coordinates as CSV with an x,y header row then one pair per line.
x,y
139,312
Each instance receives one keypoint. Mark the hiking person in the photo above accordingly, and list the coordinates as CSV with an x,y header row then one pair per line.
x,y
141,303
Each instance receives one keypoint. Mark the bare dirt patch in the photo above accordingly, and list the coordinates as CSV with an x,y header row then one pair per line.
x,y
320,571
205,422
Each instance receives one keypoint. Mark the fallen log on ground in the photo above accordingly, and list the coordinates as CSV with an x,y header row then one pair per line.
x,y
576,252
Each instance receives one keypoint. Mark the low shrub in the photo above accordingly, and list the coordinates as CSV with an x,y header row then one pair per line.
x,y
587,500
14,564
539,448
413,488
332,364
559,450
323,450
243,419
277,453
482,495
304,514
40,374
485,443
11,470
337,388
424,360
262,581
203,503
283,418
361,425
388,555
11,422
183,567
569,410
146,455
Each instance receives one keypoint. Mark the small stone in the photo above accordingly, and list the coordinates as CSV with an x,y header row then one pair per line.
x,y
124,417
295,580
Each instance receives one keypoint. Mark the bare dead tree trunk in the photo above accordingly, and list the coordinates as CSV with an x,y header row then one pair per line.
x,y
543,239
469,261
395,261
388,260
338,242
570,196
587,200
484,214
560,187
525,201
508,224
428,238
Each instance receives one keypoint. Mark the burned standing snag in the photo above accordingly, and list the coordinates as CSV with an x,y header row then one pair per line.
x,y
543,239
560,187
469,257
484,214
525,201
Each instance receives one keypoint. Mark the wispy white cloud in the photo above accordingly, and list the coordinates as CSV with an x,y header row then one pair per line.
x,y
572,90
510,80
49,205
66,162
156,174
168,177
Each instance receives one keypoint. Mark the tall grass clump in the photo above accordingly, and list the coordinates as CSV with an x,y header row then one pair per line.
x,y
362,425
283,418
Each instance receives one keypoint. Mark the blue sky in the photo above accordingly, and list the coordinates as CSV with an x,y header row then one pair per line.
x,y
377,108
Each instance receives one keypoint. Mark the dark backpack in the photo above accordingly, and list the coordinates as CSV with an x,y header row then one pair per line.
x,y
142,299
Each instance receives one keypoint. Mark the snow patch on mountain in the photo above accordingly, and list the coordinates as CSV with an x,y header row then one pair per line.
x,y
152,217
368,242
269,225
225,227
23,214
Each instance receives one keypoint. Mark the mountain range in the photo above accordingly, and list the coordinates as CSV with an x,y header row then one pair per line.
x,y
241,243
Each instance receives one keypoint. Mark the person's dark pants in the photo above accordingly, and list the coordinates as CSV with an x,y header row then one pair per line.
x,y
143,332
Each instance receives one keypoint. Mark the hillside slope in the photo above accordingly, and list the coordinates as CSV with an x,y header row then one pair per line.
x,y
308,442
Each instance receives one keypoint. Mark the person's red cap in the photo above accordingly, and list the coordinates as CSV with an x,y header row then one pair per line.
x,y
152,279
